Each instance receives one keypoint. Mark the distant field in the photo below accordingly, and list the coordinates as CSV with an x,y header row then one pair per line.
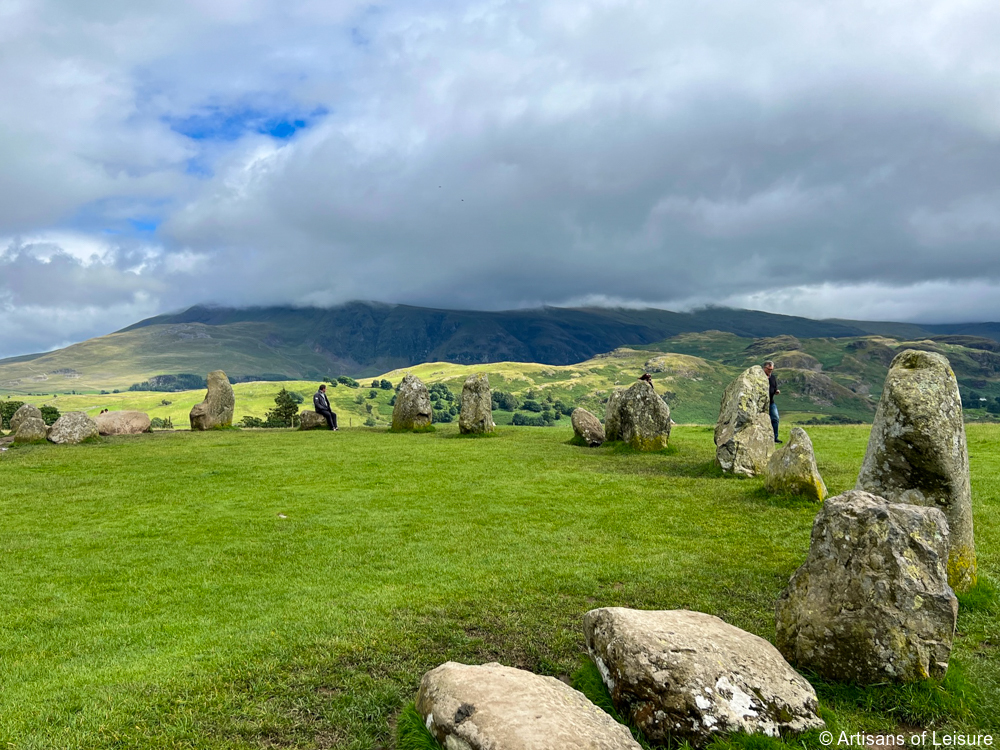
x,y
248,589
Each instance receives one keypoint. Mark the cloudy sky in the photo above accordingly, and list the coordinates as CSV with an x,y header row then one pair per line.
x,y
816,158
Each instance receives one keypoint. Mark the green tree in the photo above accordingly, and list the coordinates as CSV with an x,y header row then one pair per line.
x,y
372,394
385,385
49,414
7,409
285,412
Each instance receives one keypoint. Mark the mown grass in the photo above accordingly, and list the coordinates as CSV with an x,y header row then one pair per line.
x,y
243,589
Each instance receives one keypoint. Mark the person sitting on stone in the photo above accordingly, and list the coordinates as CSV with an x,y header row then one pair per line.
x,y
322,406
647,377
772,390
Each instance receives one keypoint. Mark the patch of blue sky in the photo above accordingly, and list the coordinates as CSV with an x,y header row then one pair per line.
x,y
119,217
230,124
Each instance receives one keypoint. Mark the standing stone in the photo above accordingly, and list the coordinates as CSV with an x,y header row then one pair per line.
x,y
72,427
24,412
792,470
217,408
122,422
413,405
917,452
744,439
587,428
30,430
492,707
310,420
477,405
871,603
690,676
638,416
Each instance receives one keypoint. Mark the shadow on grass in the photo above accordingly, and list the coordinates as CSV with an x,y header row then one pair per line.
x,y
472,435
781,500
980,598
618,448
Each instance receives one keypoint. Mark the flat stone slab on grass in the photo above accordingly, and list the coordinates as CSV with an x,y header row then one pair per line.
x,y
310,420
492,707
122,422
689,675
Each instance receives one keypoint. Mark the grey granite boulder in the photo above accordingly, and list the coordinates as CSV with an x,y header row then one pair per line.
x,y
310,420
25,411
744,439
72,427
412,410
476,415
688,675
871,603
31,430
917,452
217,409
122,422
492,707
587,428
638,416
792,469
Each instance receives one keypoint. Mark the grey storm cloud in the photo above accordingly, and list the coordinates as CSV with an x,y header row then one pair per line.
x,y
820,159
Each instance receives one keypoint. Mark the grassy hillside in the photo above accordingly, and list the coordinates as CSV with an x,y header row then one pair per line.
x,y
249,589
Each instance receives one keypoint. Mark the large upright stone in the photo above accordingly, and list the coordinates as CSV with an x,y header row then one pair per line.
x,y
638,416
217,408
25,411
492,707
412,410
477,405
871,603
689,675
122,422
587,428
72,427
792,470
917,452
744,439
30,430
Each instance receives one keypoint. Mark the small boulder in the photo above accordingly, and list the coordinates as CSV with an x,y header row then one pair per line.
x,y
217,408
917,452
492,707
744,439
412,410
792,469
689,675
638,416
72,427
122,422
310,420
477,405
31,430
25,411
871,603
587,428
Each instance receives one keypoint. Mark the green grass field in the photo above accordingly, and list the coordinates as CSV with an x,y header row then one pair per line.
x,y
247,589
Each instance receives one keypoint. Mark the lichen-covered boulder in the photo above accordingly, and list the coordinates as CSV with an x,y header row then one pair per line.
x,y
792,470
310,420
31,430
122,422
72,427
871,603
688,675
476,415
638,416
917,452
412,410
744,439
492,707
217,408
587,428
25,411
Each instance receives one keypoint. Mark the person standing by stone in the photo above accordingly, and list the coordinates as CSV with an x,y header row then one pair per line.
x,y
322,406
772,391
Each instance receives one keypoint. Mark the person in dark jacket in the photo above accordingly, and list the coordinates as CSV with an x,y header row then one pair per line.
x,y
322,406
772,390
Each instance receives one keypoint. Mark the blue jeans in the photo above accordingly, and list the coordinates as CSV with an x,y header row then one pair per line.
x,y
774,419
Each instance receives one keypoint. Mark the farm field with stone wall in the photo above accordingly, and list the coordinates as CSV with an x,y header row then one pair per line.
x,y
240,589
